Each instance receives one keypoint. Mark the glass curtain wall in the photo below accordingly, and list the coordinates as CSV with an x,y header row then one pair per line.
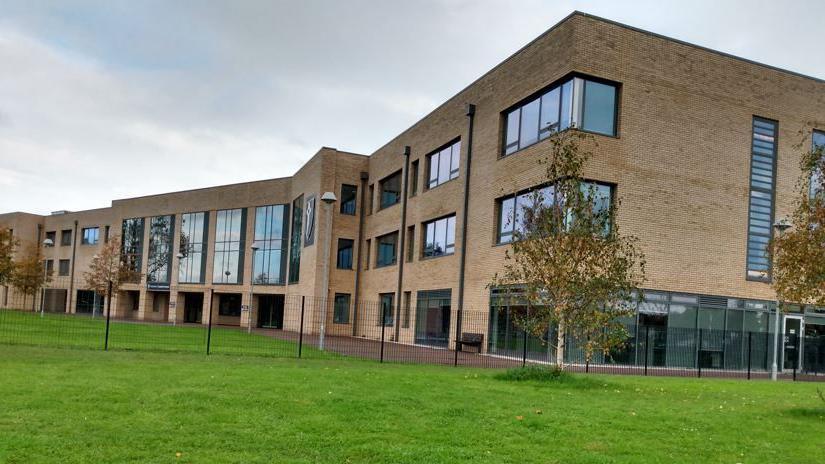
x,y
269,260
193,229
230,227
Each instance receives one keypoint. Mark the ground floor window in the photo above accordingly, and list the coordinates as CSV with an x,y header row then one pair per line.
x,y
89,302
229,305
386,307
340,313
432,322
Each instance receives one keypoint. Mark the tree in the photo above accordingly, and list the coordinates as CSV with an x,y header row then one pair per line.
x,y
29,273
8,245
799,254
569,264
108,266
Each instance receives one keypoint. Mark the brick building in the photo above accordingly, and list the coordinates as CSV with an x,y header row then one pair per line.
x,y
698,144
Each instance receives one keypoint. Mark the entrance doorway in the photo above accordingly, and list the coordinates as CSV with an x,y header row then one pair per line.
x,y
654,330
270,311
792,342
432,322
192,308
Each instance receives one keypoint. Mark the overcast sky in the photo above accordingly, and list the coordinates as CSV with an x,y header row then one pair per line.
x,y
114,99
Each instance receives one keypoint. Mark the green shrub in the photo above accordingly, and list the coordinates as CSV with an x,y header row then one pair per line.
x,y
535,373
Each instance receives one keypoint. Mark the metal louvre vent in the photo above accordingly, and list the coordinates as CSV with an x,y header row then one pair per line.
x,y
713,301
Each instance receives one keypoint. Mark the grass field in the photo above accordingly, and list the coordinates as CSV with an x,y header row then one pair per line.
x,y
62,330
64,405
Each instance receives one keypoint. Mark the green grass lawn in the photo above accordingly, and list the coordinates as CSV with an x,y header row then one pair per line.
x,y
61,330
64,405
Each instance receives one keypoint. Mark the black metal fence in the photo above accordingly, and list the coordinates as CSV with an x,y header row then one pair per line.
x,y
428,332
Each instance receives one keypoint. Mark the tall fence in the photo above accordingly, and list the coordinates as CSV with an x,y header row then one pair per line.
x,y
189,319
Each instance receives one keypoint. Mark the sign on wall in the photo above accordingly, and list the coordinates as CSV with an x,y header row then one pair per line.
x,y
309,221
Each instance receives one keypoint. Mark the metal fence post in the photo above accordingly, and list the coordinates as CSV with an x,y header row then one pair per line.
x,y
750,344
383,327
797,343
209,326
108,317
524,351
699,355
301,329
647,345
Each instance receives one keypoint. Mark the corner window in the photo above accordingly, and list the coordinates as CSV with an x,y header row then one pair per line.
x,y
348,199
340,312
91,235
387,250
444,164
440,237
390,190
579,102
344,260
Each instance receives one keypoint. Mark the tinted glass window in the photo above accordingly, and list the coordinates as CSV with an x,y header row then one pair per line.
x,y
229,246
192,238
387,250
341,308
763,156
269,260
444,164
344,260
391,190
440,237
599,108
161,231
348,202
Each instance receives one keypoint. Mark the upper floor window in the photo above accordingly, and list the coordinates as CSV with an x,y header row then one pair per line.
x,y
511,208
818,142
295,240
91,235
348,201
413,178
344,260
63,267
387,250
51,236
131,244
443,164
579,102
390,190
161,231
440,237
65,238
269,259
761,197
192,264
230,228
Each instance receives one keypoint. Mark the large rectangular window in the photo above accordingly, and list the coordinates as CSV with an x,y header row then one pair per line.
x,y
439,237
269,260
579,102
387,250
340,312
132,245
65,238
348,199
91,235
193,233
390,190
760,211
443,164
817,143
161,231
230,231
432,322
344,260
511,208
295,240
387,315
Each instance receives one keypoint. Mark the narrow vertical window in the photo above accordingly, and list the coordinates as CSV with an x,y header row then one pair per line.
x,y
344,258
230,232
131,246
192,238
269,260
348,199
414,178
295,240
161,231
761,198
340,313
818,143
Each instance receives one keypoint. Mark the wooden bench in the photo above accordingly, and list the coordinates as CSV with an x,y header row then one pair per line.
x,y
470,339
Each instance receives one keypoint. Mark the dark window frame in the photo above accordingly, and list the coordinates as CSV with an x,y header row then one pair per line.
x,y
387,313
228,243
451,175
337,309
381,204
771,193
424,235
61,272
267,244
349,206
193,248
63,240
86,231
378,262
338,257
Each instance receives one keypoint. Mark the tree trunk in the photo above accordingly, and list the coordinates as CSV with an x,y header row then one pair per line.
x,y
560,346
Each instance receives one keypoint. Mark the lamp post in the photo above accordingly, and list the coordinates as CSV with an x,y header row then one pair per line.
x,y
329,199
180,257
780,226
251,289
46,243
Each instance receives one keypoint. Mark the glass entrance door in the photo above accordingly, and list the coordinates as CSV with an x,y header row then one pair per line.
x,y
792,343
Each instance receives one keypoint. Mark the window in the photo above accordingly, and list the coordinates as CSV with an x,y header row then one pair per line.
x,y
372,199
760,211
439,237
344,253
91,235
386,303
295,240
131,245
510,209
230,228
818,143
340,312
106,235
49,266
432,321
405,321
65,238
387,245
269,260
390,190
192,267
52,236
63,267
414,178
444,164
229,305
89,302
348,199
161,231
410,243
581,102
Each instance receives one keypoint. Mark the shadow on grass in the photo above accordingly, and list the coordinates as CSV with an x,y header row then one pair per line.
x,y
817,413
550,376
